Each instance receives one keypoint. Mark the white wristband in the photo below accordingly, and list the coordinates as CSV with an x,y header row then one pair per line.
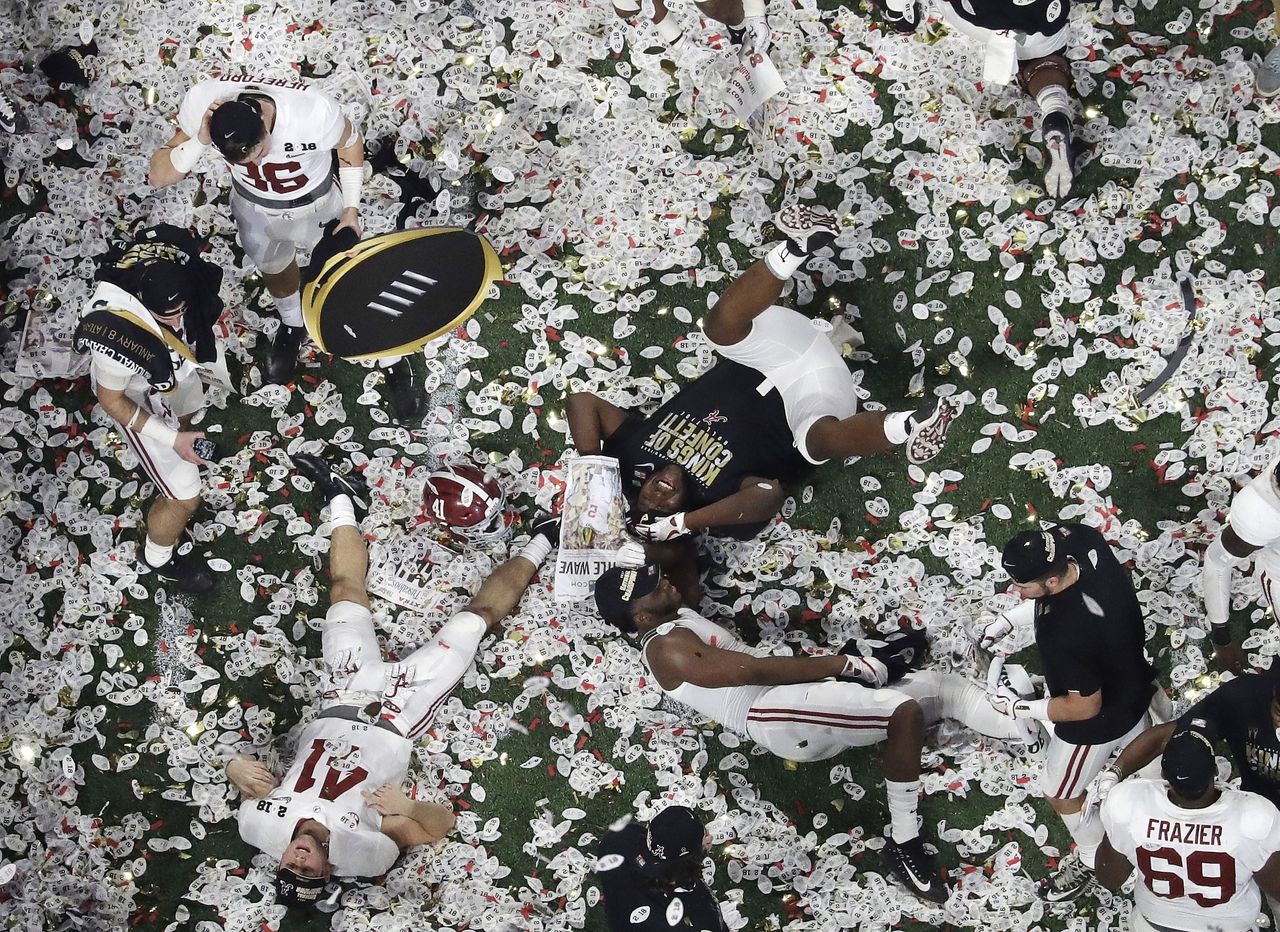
x,y
351,178
752,8
184,155
1037,709
159,431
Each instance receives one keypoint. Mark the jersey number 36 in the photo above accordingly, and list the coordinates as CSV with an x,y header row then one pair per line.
x,y
1167,874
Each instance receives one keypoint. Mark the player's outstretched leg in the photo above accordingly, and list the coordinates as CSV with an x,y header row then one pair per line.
x,y
807,229
348,556
921,433
910,862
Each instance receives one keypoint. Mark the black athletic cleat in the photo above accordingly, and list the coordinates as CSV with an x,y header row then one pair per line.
x,y
405,390
189,572
901,652
546,525
1069,881
284,354
807,227
916,868
927,430
326,480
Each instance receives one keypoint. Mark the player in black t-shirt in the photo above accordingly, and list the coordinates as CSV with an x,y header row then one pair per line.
x,y
1089,634
717,454
651,876
1245,713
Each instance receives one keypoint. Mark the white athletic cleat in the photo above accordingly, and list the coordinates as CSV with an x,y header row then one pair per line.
x,y
927,430
1059,170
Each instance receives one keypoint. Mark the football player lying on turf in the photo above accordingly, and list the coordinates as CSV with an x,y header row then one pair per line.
x,y
808,708
717,455
339,809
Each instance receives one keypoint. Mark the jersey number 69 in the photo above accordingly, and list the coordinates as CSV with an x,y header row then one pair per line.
x,y
1211,871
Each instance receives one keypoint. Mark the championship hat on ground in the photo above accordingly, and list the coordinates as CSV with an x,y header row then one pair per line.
x,y
392,294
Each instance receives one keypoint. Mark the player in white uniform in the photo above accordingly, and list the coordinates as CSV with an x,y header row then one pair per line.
x,y
339,809
805,708
1253,531
1202,852
145,375
278,139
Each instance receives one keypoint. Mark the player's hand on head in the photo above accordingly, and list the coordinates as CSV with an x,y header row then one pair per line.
x,y
388,800
662,529
350,220
250,777
205,135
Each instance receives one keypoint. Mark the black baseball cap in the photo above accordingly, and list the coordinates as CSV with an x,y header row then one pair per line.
x,y
1031,555
163,285
674,833
236,127
293,889
1188,764
618,589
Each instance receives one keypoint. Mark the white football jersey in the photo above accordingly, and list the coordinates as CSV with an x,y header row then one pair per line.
x,y
1195,866
336,761
308,127
727,705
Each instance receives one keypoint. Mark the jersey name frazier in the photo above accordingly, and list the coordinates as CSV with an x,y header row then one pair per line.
x,y
1187,833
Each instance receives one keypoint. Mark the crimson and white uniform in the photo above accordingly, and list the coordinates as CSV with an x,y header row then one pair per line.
x,y
174,477
1195,866
1255,517
283,200
814,721
371,712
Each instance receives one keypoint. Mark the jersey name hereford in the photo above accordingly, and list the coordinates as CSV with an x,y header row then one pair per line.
x,y
308,127
1195,867
337,760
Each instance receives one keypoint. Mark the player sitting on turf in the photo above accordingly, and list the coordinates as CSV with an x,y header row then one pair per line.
x,y
1201,851
339,809
716,456
807,708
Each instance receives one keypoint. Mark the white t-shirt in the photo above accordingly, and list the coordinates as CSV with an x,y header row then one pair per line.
x,y
308,127
1195,866
336,761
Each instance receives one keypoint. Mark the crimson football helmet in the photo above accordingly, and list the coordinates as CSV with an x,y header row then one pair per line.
x,y
463,502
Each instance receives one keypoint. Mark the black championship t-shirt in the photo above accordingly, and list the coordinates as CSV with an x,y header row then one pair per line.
x,y
1045,17
719,429
1090,638
633,904
1239,713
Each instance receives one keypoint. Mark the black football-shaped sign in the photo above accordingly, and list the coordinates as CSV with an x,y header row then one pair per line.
x,y
393,293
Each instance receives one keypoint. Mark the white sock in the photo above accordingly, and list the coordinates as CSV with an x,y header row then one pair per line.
x,y
903,800
895,427
1086,832
782,262
342,513
290,309
669,29
1054,97
154,554
536,550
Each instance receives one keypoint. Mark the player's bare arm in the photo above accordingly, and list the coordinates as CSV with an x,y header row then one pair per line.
x,y
1074,707
351,176
164,171
591,419
129,414
251,777
1143,749
757,499
680,657
410,822
1112,868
